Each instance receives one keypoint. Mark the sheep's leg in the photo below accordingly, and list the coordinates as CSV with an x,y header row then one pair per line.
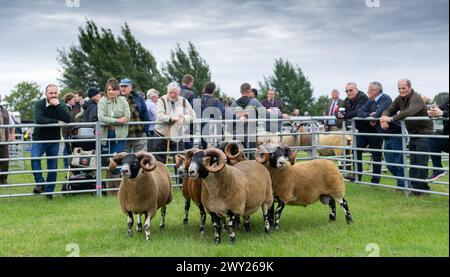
x,y
332,205
232,227
218,227
163,218
202,219
223,221
271,213
344,205
280,208
247,224
130,224
265,210
187,206
139,223
147,226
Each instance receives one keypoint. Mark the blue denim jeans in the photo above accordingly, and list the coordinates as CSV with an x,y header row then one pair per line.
x,y
38,150
114,147
395,143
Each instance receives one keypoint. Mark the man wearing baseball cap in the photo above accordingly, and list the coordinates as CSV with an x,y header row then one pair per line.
x,y
139,112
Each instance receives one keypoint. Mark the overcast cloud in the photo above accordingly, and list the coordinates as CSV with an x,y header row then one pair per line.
x,y
333,41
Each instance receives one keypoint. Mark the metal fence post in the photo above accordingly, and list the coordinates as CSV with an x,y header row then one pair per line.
x,y
355,156
313,141
98,156
405,156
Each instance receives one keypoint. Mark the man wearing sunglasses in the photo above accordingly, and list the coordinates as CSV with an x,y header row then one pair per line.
x,y
354,101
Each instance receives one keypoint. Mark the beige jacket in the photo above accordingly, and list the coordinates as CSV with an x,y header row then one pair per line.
x,y
165,111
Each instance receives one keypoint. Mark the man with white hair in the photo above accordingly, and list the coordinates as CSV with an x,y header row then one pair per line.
x,y
173,115
152,98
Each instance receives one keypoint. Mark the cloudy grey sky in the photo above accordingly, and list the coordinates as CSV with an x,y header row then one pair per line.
x,y
334,41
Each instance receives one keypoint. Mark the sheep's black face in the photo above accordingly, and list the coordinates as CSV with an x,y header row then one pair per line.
x,y
131,167
278,158
196,168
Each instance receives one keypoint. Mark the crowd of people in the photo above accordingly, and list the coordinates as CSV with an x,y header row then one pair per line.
x,y
175,111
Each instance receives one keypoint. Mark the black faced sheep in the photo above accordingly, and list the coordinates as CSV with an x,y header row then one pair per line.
x,y
192,189
232,191
303,183
145,187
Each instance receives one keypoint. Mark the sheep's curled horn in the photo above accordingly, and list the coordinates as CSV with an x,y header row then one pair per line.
x,y
188,154
117,158
217,153
292,155
261,151
148,161
228,148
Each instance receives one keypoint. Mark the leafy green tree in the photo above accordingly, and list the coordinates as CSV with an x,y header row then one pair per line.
x,y
189,62
100,55
319,105
291,86
23,99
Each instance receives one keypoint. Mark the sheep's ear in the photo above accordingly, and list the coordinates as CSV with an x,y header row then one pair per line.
x,y
179,158
293,157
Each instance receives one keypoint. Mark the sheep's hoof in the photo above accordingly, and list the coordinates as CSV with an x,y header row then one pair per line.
x,y
276,227
202,231
139,228
185,221
129,233
217,241
247,228
233,240
332,219
349,220
162,227
147,237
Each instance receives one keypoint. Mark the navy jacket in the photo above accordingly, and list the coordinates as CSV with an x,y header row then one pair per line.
x,y
277,104
351,109
209,101
378,108
188,94
142,109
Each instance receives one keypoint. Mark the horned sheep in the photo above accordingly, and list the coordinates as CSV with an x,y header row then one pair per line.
x,y
303,183
233,191
145,187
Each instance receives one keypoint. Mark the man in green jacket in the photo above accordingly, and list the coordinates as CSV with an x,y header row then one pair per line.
x,y
47,111
409,104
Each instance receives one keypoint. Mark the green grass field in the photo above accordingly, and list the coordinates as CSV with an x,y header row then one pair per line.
x,y
398,226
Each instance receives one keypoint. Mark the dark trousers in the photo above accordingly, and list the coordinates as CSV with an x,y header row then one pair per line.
x,y
4,166
151,134
373,143
160,145
437,145
419,145
188,144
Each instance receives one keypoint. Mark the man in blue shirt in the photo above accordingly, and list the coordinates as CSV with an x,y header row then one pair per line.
x,y
152,98
378,102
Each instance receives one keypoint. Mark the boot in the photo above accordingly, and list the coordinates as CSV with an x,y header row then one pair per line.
x,y
112,184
